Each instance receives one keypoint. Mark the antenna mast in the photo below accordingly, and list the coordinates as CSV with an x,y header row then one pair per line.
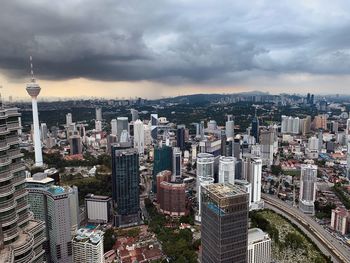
x,y
31,69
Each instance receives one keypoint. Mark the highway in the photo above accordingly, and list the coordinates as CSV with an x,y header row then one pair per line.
x,y
328,244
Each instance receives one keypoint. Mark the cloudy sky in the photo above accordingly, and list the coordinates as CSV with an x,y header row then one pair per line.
x,y
155,48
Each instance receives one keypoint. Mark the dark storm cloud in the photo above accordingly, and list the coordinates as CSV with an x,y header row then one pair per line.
x,y
173,41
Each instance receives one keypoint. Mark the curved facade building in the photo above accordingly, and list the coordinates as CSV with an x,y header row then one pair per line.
x,y
172,199
21,237
227,169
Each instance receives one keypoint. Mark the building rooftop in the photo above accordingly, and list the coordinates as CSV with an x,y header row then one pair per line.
x,y
97,197
88,235
224,190
256,235
39,178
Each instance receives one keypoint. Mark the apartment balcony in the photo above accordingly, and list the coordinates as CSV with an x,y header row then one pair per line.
x,y
4,146
20,193
11,113
13,125
10,233
3,130
21,205
18,180
4,161
7,205
5,176
16,167
14,153
12,139
6,190
24,218
9,219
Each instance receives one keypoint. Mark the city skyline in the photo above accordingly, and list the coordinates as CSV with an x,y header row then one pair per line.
x,y
170,48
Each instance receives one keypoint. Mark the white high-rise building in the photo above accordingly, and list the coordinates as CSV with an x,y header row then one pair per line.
x,y
267,142
259,246
114,127
134,115
98,126
254,173
230,128
58,207
44,132
69,119
33,90
88,246
205,176
139,136
227,169
307,195
99,114
312,148
290,125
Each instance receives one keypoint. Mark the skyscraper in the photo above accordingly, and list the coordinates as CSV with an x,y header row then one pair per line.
x,y
122,124
227,170
267,141
139,136
58,207
307,195
76,145
230,128
69,119
177,164
255,128
98,114
125,185
33,90
134,115
162,161
154,126
180,137
22,237
114,127
224,230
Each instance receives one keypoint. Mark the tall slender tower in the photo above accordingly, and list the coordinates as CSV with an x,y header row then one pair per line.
x,y
33,90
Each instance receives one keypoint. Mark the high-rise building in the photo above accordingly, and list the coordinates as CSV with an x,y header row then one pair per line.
x,y
340,220
88,246
43,132
162,161
98,114
180,138
154,126
33,90
307,195
98,208
227,170
22,237
320,122
290,125
134,115
98,126
252,172
58,207
139,136
259,246
177,164
76,145
69,119
306,125
125,185
255,129
171,197
114,127
230,128
224,230
312,149
122,124
268,138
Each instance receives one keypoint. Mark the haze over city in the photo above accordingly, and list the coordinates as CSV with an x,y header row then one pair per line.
x,y
165,48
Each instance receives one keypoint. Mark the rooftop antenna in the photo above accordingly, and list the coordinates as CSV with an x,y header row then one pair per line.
x,y
31,68
1,104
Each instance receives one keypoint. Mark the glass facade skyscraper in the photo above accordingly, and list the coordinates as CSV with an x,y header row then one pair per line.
x,y
224,223
125,185
162,161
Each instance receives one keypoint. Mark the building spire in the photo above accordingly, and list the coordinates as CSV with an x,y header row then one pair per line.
x,y
31,68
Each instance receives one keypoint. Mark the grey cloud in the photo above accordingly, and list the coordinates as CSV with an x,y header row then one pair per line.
x,y
173,41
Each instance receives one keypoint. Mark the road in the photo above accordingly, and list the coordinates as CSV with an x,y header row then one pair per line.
x,y
329,245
